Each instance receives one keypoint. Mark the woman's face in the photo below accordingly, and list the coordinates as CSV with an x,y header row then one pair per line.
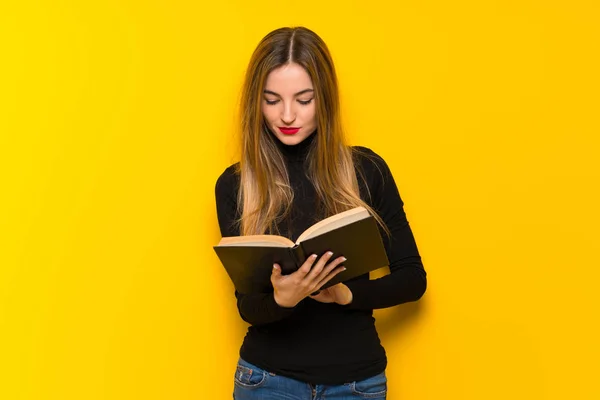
x,y
288,103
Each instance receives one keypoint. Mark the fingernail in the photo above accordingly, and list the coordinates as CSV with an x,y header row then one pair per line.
x,y
343,259
343,268
313,256
329,253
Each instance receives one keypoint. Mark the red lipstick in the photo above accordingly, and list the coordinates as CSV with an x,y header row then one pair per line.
x,y
288,130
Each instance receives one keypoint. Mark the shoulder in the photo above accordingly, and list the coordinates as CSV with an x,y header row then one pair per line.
x,y
373,173
370,162
228,181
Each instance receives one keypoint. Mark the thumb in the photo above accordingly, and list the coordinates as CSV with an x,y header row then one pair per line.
x,y
276,274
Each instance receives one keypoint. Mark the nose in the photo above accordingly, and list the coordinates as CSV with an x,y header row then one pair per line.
x,y
288,115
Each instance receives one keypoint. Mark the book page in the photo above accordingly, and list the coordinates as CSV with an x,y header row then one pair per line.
x,y
256,240
334,222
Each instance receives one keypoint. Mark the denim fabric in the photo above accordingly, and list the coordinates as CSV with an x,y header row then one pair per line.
x,y
253,383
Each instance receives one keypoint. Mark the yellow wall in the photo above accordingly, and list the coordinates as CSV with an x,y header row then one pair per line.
x,y
116,117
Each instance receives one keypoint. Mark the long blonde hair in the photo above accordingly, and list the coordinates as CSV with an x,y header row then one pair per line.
x,y
265,194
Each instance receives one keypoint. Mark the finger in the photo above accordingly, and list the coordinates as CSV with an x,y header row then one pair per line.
x,y
305,268
316,269
330,267
330,276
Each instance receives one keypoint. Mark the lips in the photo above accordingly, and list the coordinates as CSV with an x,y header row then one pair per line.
x,y
288,130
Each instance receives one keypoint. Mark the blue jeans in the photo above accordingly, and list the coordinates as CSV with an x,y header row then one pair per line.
x,y
254,383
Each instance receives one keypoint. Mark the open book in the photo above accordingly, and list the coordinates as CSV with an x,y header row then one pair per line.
x,y
353,234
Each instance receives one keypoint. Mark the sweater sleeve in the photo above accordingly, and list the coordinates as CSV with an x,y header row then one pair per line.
x,y
407,279
256,309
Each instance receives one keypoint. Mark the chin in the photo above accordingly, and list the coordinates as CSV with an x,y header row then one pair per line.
x,y
290,140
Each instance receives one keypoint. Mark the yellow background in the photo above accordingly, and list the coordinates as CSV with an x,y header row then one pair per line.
x,y
116,118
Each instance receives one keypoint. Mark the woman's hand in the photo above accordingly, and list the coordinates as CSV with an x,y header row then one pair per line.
x,y
339,293
291,289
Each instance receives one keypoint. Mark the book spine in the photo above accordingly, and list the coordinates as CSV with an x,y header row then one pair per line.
x,y
298,255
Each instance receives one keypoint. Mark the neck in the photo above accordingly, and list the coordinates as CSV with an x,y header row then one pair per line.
x,y
296,152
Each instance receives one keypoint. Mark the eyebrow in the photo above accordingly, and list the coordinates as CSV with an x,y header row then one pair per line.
x,y
297,94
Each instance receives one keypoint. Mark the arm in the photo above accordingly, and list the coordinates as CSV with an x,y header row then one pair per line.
x,y
255,309
407,279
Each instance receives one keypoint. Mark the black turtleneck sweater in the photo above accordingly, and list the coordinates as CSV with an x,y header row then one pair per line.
x,y
316,342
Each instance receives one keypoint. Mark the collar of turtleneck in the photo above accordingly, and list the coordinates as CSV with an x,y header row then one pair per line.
x,y
298,152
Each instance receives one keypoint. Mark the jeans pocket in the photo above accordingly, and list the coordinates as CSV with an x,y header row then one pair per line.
x,y
249,376
371,388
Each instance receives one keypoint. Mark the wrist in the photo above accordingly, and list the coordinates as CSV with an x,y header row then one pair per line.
x,y
282,302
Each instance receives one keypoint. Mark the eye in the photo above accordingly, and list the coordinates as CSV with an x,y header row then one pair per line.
x,y
271,102
305,102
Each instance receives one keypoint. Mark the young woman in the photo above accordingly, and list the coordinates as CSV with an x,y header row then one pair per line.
x,y
296,169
